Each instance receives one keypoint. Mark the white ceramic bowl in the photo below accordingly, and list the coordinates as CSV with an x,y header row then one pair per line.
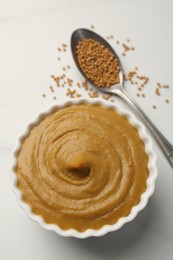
x,y
107,228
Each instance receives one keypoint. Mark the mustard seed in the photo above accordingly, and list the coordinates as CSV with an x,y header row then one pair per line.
x,y
159,85
78,84
51,89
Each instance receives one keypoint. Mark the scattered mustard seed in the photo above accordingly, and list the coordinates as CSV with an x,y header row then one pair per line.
x,y
157,91
107,97
159,85
126,48
71,93
93,94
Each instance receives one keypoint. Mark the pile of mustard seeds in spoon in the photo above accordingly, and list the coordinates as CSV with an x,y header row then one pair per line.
x,y
98,63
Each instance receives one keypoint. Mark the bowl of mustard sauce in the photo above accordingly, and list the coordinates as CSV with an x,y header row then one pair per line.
x,y
84,168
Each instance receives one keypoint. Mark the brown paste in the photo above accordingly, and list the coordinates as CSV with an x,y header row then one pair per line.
x,y
82,167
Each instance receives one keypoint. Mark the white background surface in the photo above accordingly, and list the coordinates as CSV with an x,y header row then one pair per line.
x,y
30,32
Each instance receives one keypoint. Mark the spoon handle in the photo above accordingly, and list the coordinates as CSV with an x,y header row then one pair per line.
x,y
162,141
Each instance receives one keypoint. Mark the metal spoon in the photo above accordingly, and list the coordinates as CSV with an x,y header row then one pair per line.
x,y
118,89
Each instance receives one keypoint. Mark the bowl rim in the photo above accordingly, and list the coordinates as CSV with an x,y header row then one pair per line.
x,y
153,172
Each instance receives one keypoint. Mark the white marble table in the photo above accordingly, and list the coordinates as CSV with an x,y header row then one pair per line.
x,y
30,32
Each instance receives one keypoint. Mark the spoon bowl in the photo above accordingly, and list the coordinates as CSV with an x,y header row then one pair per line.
x,y
118,89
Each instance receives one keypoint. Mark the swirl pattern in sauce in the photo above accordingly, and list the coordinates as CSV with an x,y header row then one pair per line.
x,y
83,166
